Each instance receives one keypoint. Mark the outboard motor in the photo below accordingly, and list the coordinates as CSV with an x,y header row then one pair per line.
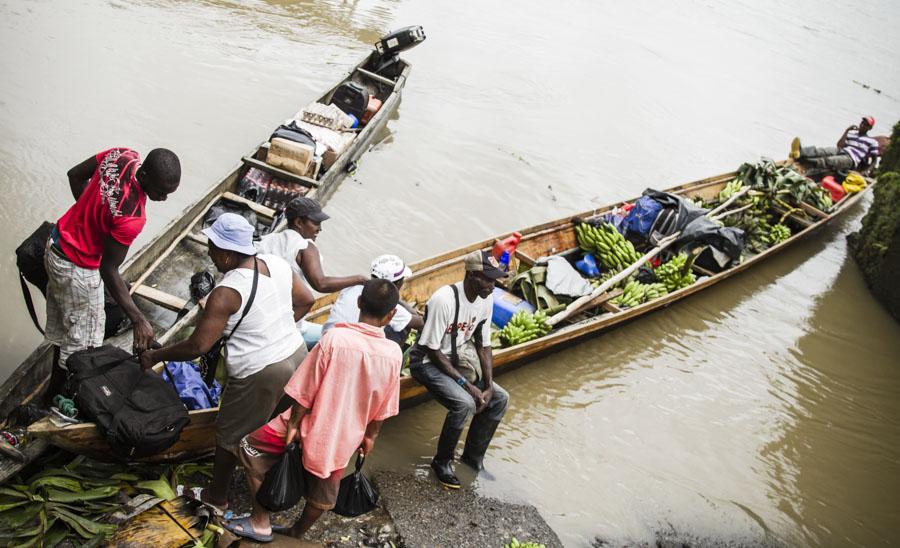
x,y
389,47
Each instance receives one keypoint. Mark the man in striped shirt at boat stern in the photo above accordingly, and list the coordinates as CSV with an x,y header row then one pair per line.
x,y
854,150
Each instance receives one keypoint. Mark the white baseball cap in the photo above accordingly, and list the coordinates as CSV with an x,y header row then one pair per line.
x,y
390,268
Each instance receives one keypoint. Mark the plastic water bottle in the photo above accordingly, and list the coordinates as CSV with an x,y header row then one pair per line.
x,y
504,261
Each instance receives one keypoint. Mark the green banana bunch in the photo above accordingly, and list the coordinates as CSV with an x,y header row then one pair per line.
x,y
673,274
523,327
733,186
613,250
779,233
636,293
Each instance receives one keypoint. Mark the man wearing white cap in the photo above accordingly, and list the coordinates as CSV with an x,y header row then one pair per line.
x,y
346,307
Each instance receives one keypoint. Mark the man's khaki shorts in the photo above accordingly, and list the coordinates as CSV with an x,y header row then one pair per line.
x,y
321,493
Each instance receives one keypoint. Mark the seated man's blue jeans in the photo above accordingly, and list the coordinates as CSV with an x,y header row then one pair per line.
x,y
457,399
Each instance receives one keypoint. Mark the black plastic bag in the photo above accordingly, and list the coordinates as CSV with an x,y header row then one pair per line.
x,y
202,284
357,495
284,484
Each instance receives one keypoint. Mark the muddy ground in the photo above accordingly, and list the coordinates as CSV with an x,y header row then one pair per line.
x,y
414,511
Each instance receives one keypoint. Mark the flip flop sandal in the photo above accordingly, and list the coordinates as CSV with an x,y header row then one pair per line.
x,y
216,510
246,530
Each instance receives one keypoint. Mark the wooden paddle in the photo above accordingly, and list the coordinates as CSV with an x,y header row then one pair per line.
x,y
575,305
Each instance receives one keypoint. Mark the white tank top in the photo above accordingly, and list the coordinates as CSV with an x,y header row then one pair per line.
x,y
287,244
267,334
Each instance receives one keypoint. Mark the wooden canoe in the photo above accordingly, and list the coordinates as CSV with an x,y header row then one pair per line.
x,y
158,272
552,238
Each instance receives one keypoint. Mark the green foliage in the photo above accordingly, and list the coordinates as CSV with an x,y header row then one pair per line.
x,y
876,247
67,502
890,157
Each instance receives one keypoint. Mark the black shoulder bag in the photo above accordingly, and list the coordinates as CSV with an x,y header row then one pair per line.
x,y
209,361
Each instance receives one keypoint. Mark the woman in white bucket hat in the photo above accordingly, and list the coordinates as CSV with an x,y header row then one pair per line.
x,y
254,306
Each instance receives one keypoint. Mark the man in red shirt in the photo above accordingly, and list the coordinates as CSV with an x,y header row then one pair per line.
x,y
345,388
89,243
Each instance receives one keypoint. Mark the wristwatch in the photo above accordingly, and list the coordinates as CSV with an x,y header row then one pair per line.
x,y
461,381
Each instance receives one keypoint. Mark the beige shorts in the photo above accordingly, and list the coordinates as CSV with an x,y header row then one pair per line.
x,y
76,316
321,493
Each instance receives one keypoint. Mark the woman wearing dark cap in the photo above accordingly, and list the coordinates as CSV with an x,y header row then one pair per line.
x,y
296,245
255,306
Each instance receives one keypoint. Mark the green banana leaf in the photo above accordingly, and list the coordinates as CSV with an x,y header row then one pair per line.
x,y
124,476
60,482
55,535
15,491
85,528
92,494
56,473
4,506
21,516
159,487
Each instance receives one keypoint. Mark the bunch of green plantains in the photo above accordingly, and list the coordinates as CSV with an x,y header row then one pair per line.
x,y
614,251
523,327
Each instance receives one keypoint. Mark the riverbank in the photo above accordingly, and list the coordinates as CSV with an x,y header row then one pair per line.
x,y
414,511
876,247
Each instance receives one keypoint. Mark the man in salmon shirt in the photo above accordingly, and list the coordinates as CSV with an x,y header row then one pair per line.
x,y
343,391
89,243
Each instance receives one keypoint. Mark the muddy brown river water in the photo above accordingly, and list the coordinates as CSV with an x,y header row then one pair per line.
x,y
764,410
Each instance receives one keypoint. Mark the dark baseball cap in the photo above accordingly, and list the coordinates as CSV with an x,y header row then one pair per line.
x,y
305,207
484,262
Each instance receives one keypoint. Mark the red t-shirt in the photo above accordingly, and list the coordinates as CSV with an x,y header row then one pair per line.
x,y
112,204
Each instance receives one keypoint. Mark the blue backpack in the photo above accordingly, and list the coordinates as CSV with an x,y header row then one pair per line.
x,y
641,217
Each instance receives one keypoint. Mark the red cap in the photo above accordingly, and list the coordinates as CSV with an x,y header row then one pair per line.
x,y
870,120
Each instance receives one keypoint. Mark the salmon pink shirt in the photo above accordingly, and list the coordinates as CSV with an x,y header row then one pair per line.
x,y
349,379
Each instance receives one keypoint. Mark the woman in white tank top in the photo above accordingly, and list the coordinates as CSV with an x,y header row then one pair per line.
x,y
263,350
296,245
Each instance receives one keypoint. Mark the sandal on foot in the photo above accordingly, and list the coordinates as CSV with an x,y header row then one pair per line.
x,y
243,528
218,511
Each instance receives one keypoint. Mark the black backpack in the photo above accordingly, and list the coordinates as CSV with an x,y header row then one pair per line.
x,y
139,413
295,133
352,98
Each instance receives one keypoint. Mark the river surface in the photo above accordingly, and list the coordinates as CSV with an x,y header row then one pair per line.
x,y
764,410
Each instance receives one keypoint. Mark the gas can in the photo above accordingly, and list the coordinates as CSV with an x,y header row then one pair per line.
x,y
832,186
507,244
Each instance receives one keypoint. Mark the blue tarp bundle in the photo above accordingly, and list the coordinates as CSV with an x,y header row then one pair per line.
x,y
190,386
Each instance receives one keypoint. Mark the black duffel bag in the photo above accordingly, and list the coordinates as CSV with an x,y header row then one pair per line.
x,y
139,413
292,132
30,261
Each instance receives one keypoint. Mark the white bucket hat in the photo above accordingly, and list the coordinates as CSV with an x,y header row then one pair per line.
x,y
232,232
